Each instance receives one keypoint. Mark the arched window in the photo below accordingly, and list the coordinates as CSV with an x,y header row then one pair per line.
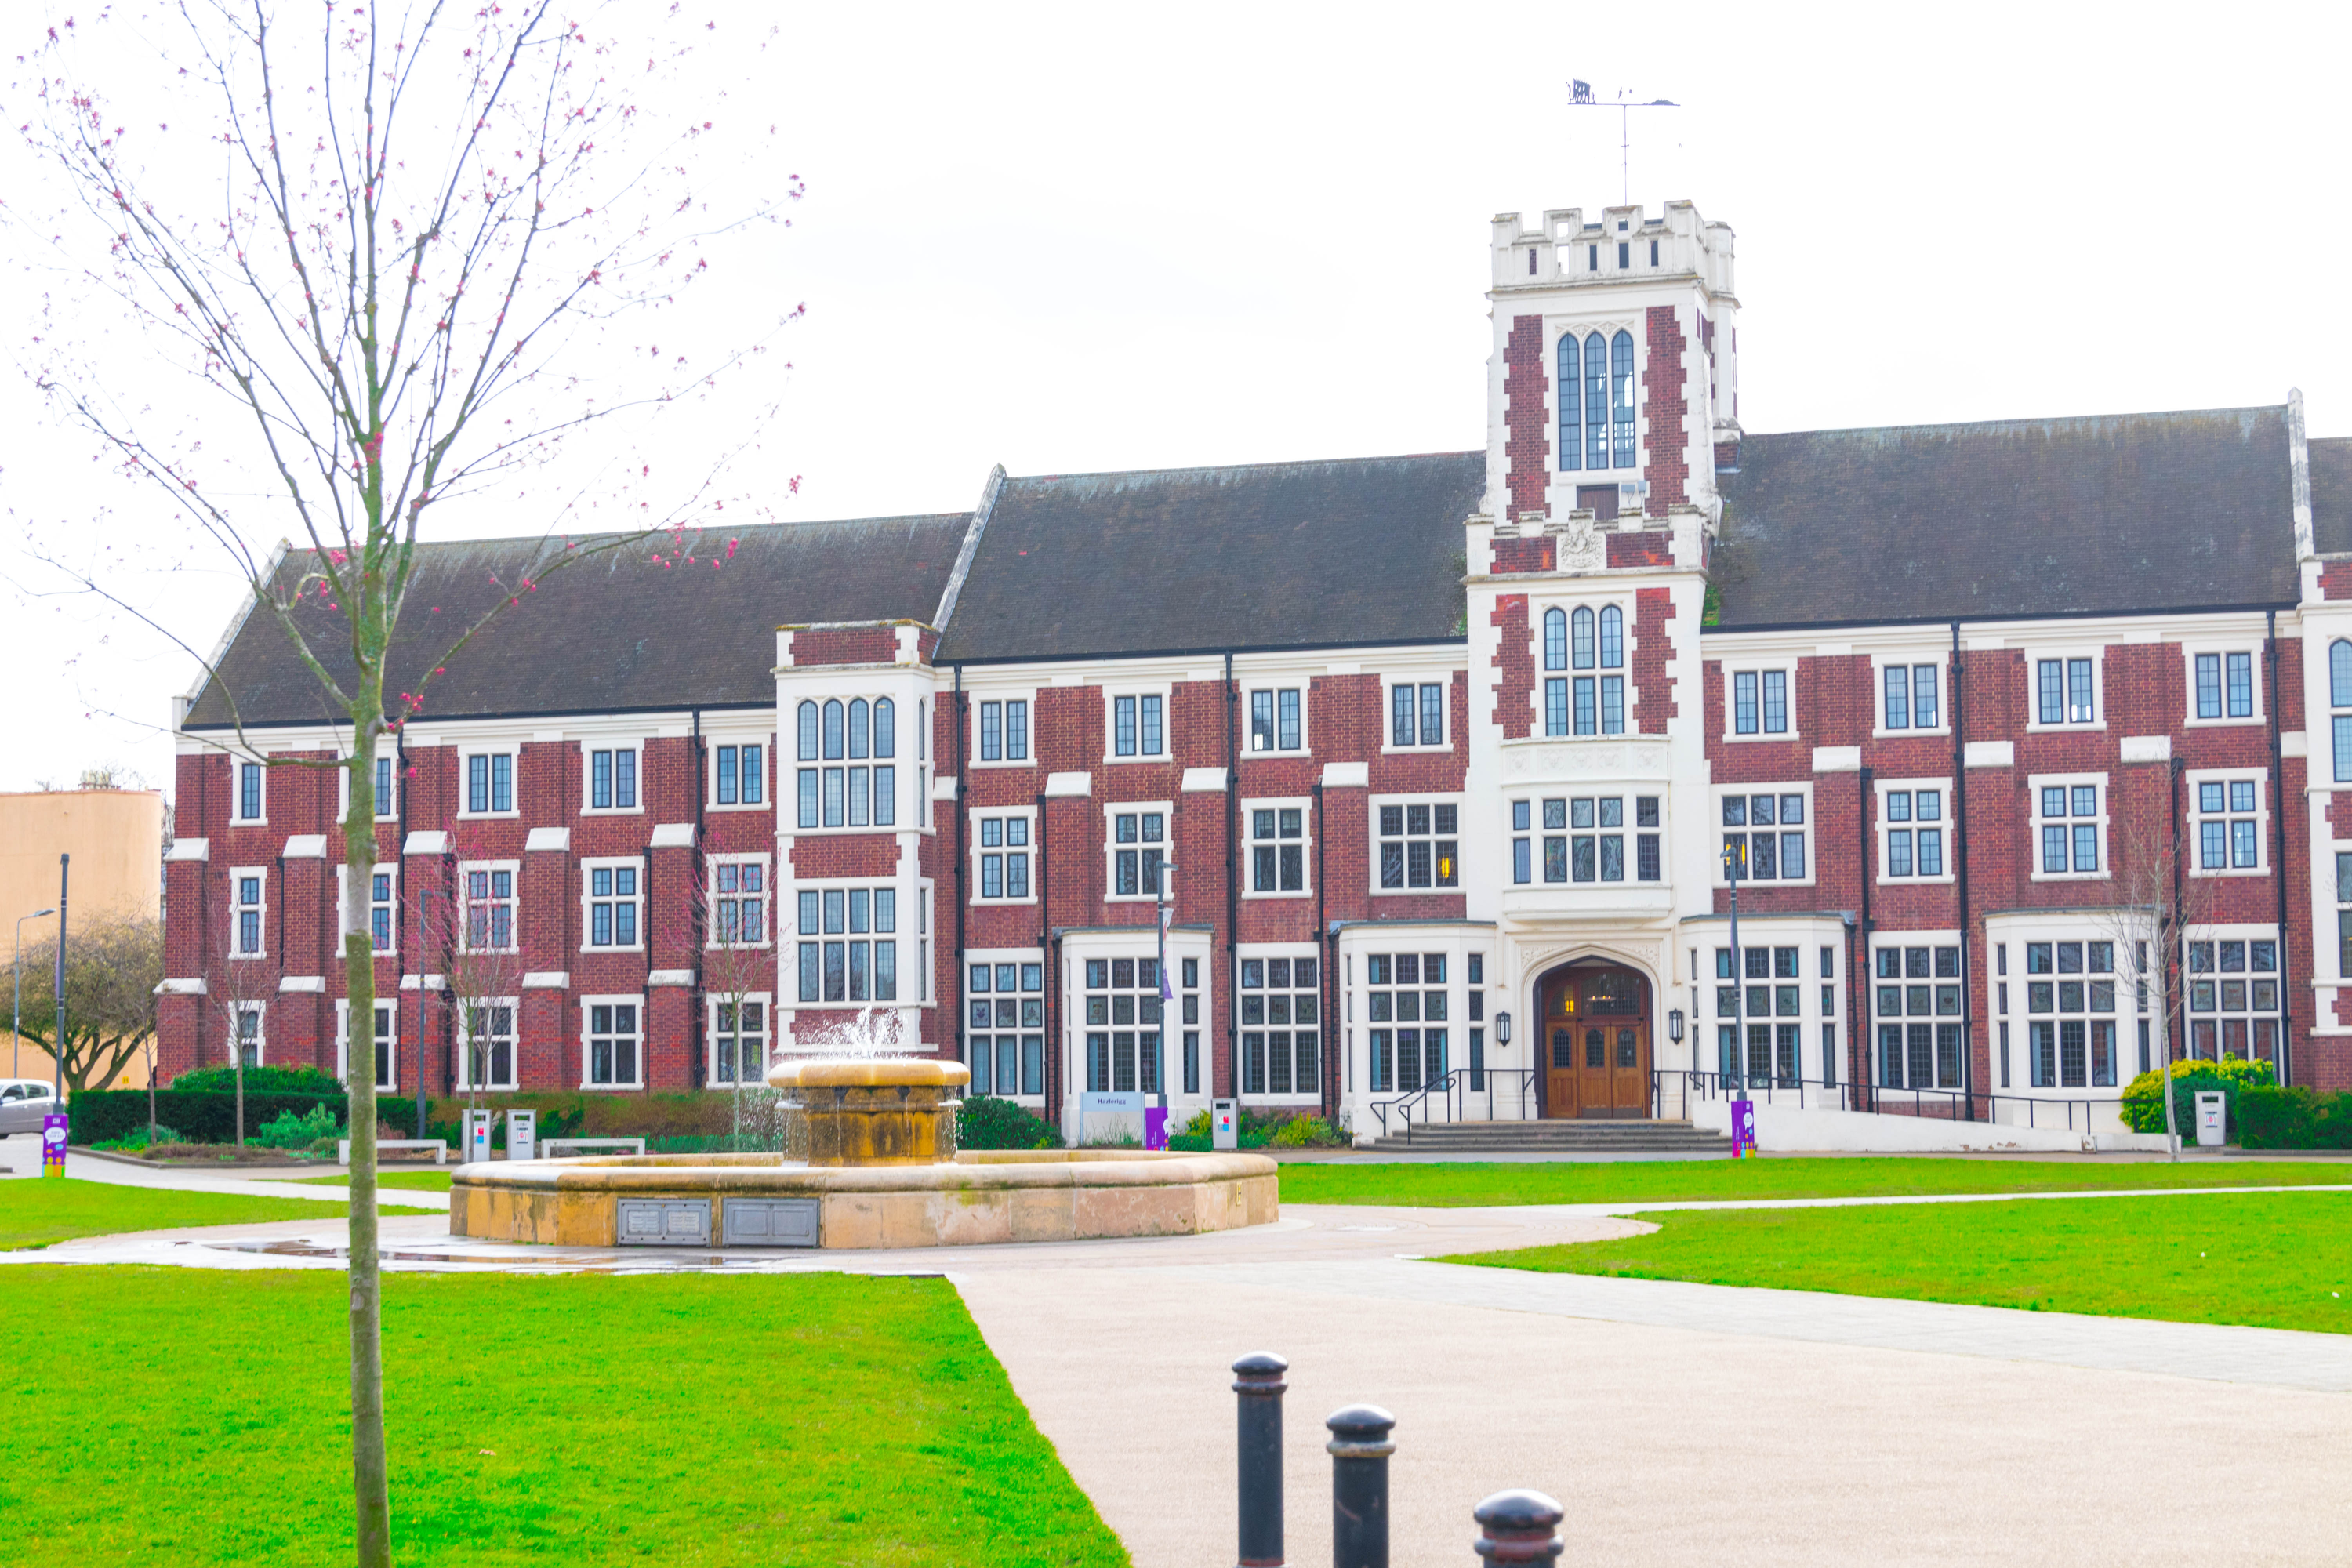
x,y
886,725
1555,639
1621,372
1596,402
1571,385
859,720
832,730
1582,623
808,731
1612,637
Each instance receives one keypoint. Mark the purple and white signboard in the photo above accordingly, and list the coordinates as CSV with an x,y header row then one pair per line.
x,y
1743,1129
53,1143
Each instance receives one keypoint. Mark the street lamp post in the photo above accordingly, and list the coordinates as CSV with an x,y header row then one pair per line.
x,y
1735,860
16,1020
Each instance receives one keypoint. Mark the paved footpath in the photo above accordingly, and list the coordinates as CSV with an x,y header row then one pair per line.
x,y
1678,1423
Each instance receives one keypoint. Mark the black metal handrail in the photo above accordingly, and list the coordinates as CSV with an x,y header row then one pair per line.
x,y
1454,1089
1935,1104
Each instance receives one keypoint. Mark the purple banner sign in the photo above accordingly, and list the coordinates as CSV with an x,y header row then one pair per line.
x,y
1743,1129
53,1143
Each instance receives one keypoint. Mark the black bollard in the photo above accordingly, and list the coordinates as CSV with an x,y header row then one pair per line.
x,y
1517,1527
1360,1449
1257,1383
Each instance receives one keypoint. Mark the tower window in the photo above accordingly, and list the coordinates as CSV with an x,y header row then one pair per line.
x,y
1654,253
1625,255
1592,259
1596,402
1571,385
1531,261
1620,369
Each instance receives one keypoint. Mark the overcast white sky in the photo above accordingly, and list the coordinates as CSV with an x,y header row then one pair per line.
x,y
1104,237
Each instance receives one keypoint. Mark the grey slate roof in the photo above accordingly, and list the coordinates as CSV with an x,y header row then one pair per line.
x,y
612,634
1196,559
2100,515
2331,494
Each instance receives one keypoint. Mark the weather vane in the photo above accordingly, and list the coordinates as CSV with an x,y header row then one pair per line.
x,y
1579,96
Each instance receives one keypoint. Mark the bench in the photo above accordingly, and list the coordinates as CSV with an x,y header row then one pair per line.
x,y
439,1146
557,1147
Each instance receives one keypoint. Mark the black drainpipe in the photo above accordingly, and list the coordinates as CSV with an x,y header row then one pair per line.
x,y
1960,871
1323,939
696,930
2278,843
1044,952
1233,968
1864,1013
2175,982
963,771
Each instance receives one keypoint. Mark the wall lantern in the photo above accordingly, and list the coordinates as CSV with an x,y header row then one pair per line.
x,y
1502,1028
1674,1026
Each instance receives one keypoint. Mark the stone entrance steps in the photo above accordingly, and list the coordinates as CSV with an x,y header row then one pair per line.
x,y
1555,1138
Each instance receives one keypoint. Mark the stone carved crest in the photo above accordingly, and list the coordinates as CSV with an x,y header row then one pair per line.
x,y
1581,546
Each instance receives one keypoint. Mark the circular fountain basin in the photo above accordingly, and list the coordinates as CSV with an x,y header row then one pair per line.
x,y
875,1110
978,1198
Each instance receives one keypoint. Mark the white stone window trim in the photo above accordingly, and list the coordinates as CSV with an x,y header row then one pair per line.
x,y
259,1013
343,1042
1568,606
1940,659
1304,806
973,846
902,939
765,1036
2021,928
1274,688
588,750
343,891
2222,647
1881,789
465,924
993,956
711,895
466,755
1389,747
1112,812
589,867
387,803
2035,784
236,767
773,771
587,1005
1785,665
1373,839
237,912
2195,818
461,1029
1581,330
1111,692
1716,830
1261,951
1013,694
2035,658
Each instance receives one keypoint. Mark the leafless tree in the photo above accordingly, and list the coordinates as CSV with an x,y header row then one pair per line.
x,y
470,936
239,983
739,966
2156,903
381,266
113,965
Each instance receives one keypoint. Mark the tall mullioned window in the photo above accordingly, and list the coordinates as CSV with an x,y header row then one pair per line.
x,y
1569,381
1281,1026
848,947
1406,1002
2339,697
1418,847
1621,403
1005,1043
2225,686
1918,1009
1124,1017
862,794
1911,696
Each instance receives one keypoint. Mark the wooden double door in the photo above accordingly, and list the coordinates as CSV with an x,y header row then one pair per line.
x,y
1596,1043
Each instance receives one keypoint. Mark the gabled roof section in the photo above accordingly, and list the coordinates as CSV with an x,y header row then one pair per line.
x,y
2102,515
616,633
1323,554
2331,495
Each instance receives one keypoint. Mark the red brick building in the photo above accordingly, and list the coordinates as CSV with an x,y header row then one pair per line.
x,y
1444,762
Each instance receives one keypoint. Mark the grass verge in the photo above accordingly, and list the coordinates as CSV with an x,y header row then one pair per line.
x,y
414,1180
802,1419
38,1212
2279,1260
1485,1184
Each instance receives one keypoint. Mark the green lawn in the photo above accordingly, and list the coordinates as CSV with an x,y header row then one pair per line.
x,y
680,1418
1481,1183
414,1181
2281,1261
46,1209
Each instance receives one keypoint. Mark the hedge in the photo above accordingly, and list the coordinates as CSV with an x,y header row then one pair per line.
x,y
2143,1098
2296,1117
103,1115
986,1122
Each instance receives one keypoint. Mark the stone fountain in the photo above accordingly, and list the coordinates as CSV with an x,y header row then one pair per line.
x,y
881,1170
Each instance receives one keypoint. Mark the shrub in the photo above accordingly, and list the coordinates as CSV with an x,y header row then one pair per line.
x,y
101,1116
316,1126
2296,1117
2143,1098
131,1142
258,1080
986,1122
1308,1132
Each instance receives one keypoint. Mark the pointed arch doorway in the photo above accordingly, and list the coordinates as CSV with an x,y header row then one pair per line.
x,y
1596,1040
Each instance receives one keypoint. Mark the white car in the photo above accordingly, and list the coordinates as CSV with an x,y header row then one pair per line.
x,y
23,1101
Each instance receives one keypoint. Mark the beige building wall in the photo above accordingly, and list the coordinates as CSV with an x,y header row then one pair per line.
x,y
116,840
